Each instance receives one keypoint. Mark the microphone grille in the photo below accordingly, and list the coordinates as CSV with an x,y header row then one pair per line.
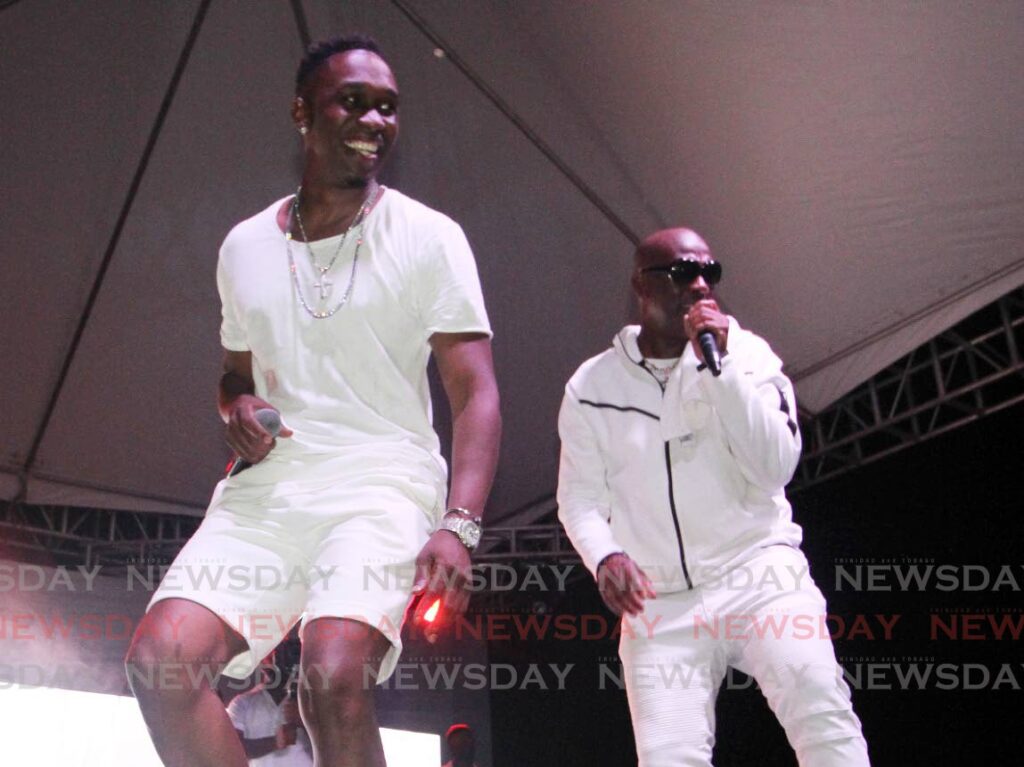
x,y
269,419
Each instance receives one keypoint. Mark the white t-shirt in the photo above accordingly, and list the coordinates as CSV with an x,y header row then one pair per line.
x,y
357,380
255,715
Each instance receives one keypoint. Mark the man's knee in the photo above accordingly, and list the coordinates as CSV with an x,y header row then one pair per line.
x,y
340,679
149,650
178,647
816,708
341,666
150,667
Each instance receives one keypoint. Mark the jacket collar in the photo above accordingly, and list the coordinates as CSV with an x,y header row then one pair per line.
x,y
684,410
628,352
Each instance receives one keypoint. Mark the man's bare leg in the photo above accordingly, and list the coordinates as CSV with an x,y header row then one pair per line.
x,y
340,658
177,653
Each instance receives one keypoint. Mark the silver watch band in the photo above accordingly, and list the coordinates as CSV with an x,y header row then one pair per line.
x,y
465,513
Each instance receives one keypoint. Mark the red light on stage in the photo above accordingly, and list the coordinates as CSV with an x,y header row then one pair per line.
x,y
426,615
431,614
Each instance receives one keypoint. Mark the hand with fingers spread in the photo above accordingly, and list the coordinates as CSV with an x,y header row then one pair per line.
x,y
705,315
623,585
443,572
245,434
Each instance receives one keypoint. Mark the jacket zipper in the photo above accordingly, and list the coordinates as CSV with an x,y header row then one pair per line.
x,y
675,516
671,488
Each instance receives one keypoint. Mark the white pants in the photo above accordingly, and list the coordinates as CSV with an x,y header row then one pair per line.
x,y
766,619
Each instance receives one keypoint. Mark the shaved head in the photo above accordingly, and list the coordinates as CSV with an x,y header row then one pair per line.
x,y
667,245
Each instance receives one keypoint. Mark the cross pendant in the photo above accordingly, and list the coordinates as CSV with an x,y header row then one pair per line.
x,y
324,286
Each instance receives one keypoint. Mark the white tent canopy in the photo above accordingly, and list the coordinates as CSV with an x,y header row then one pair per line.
x,y
857,167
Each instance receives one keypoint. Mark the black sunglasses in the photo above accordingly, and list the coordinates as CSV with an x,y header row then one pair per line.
x,y
685,271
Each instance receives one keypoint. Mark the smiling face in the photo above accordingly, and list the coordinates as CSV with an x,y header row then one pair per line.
x,y
350,109
664,301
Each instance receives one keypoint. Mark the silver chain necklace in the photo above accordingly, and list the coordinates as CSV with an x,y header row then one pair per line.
x,y
323,284
661,373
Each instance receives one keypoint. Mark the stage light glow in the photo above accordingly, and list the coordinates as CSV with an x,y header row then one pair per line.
x,y
432,611
415,749
66,728
48,727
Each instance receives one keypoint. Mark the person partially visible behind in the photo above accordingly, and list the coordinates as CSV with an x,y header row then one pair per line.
x,y
461,746
268,722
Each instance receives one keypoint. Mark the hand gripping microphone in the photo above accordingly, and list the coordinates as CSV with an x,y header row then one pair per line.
x,y
709,346
270,420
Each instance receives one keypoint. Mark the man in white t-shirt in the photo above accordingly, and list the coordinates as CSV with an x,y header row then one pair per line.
x,y
268,724
333,301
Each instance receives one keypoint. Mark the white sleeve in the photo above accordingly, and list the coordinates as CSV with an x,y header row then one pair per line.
x,y
583,498
238,712
756,405
448,294
232,332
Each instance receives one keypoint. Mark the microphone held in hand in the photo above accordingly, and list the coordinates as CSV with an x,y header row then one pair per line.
x,y
709,347
270,420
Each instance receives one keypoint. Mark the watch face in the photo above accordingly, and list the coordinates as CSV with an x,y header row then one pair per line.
x,y
471,534
467,530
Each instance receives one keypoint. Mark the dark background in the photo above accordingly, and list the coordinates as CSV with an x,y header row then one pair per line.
x,y
955,500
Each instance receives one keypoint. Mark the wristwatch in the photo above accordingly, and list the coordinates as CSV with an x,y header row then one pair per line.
x,y
464,524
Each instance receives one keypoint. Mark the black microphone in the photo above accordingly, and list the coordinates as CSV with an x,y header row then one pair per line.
x,y
270,420
709,346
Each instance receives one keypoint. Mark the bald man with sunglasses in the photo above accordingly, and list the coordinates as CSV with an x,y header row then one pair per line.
x,y
671,487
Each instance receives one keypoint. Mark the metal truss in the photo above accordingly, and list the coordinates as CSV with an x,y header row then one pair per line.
x,y
541,541
537,536
967,372
66,535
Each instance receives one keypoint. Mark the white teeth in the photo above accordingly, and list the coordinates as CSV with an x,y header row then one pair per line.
x,y
365,148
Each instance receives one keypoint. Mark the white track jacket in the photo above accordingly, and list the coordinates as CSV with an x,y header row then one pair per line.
x,y
688,482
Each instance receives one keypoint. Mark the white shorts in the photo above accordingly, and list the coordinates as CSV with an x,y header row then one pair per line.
x,y
289,540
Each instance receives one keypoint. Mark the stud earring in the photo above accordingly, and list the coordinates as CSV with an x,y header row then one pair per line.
x,y
303,130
